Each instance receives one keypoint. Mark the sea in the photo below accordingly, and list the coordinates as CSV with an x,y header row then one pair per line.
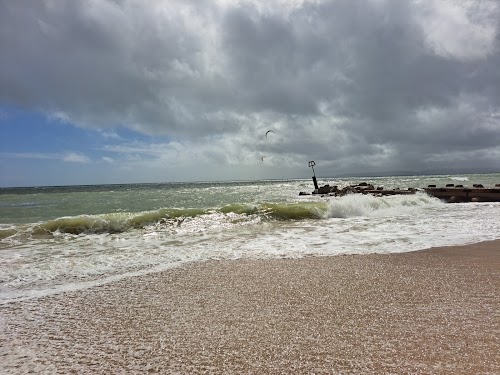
x,y
65,238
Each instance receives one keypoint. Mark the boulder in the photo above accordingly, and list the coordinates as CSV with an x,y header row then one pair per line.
x,y
324,189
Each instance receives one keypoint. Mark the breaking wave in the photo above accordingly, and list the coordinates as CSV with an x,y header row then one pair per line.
x,y
122,222
343,207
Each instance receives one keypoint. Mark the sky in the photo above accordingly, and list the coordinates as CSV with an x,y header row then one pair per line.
x,y
127,91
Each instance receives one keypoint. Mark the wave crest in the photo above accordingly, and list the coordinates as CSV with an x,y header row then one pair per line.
x,y
353,205
343,207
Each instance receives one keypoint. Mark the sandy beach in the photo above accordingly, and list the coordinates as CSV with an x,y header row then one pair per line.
x,y
435,311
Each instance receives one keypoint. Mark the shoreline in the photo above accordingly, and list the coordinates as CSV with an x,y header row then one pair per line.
x,y
426,311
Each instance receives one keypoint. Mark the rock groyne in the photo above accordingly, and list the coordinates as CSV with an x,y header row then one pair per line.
x,y
450,193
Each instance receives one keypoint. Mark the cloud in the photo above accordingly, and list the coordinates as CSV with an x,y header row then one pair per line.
x,y
110,135
352,84
29,155
464,30
71,157
74,157
107,159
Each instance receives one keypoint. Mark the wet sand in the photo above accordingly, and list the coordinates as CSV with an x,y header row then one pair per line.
x,y
434,311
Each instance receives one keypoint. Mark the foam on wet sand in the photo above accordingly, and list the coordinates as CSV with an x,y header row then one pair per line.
x,y
433,311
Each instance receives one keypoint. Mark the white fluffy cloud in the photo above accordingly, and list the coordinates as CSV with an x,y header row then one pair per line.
x,y
75,157
460,29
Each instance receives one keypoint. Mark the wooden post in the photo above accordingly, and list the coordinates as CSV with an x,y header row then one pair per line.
x,y
312,164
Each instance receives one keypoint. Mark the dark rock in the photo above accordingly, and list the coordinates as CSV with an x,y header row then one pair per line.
x,y
324,189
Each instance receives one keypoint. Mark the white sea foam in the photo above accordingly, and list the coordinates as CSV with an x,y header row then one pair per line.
x,y
459,178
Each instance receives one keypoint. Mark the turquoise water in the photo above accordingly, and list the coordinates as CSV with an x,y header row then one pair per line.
x,y
34,204
23,205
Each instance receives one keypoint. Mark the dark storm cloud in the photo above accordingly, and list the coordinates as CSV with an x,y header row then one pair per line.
x,y
104,63
359,84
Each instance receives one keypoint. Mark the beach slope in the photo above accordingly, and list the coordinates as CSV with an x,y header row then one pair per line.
x,y
433,311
